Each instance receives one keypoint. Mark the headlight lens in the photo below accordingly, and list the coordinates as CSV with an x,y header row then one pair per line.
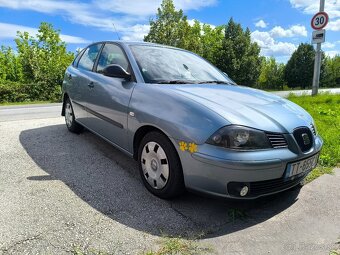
x,y
240,138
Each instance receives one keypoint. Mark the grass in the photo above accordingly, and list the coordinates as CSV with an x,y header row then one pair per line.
x,y
237,214
325,109
77,250
25,102
176,245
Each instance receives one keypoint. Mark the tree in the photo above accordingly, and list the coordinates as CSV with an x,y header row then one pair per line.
x,y
331,75
211,40
299,68
170,26
44,59
272,74
239,57
11,69
227,47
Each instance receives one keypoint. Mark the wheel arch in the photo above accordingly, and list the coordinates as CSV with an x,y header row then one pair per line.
x,y
141,132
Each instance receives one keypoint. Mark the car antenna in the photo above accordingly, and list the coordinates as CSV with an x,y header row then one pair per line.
x,y
116,31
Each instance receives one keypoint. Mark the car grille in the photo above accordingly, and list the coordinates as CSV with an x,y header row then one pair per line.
x,y
313,129
277,140
270,186
305,144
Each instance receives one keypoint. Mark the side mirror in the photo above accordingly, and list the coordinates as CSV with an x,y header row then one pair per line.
x,y
116,71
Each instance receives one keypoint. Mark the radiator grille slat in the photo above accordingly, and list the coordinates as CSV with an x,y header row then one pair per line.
x,y
313,129
277,140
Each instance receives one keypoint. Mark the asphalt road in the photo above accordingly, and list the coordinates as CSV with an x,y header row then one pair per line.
x,y
60,192
306,92
29,112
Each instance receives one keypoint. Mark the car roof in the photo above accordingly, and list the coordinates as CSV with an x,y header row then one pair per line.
x,y
122,42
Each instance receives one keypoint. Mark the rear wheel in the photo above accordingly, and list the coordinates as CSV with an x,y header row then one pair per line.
x,y
160,166
70,121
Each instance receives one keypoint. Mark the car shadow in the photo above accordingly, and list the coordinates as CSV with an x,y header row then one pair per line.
x,y
109,181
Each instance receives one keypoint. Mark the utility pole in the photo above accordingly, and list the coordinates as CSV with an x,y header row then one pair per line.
x,y
317,61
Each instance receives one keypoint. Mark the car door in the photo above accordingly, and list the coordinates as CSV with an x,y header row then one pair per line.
x,y
81,80
108,100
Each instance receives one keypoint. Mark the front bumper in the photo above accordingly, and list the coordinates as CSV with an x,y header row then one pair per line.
x,y
263,171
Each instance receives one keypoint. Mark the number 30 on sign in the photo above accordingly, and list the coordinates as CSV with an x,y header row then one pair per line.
x,y
319,20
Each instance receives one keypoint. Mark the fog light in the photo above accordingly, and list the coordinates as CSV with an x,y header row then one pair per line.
x,y
244,191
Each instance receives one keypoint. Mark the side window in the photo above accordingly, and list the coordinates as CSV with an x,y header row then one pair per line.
x,y
89,57
76,60
112,54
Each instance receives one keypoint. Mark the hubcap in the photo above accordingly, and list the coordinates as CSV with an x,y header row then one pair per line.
x,y
68,114
155,165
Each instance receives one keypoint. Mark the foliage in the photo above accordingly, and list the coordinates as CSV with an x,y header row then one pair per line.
x,y
331,74
177,245
44,60
11,68
299,68
272,75
239,57
211,40
170,26
36,71
228,47
13,92
325,110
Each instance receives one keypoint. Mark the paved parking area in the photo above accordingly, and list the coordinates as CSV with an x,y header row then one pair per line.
x,y
60,190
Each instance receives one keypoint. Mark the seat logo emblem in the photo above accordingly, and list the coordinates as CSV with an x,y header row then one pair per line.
x,y
305,139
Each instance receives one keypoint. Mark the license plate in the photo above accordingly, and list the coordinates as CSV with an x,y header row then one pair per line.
x,y
303,166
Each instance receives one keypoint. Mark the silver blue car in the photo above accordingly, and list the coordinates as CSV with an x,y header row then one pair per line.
x,y
188,124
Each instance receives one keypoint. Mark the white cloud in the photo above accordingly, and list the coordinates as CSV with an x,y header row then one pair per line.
x,y
136,32
293,31
332,53
332,7
102,13
147,7
192,22
10,30
334,25
270,47
328,45
261,24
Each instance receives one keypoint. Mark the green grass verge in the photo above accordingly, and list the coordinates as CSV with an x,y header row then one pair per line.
x,y
325,109
26,102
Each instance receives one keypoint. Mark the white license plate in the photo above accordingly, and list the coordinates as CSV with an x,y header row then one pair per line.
x,y
302,166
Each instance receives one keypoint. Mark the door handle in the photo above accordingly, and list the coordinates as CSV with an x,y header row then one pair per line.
x,y
91,84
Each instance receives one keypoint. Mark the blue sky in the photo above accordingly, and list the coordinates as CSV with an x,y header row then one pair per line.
x,y
278,26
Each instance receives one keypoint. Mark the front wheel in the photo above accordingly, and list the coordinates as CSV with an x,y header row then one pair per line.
x,y
160,166
70,121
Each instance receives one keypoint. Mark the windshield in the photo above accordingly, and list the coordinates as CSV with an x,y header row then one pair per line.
x,y
173,66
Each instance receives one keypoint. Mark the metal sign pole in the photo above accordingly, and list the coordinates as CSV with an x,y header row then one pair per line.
x,y
317,62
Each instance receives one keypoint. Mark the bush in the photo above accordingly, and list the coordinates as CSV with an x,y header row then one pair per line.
x,y
16,92
12,92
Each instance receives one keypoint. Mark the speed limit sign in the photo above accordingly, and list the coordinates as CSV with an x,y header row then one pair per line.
x,y
319,20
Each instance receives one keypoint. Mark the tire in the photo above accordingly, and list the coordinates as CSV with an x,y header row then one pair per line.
x,y
70,120
159,166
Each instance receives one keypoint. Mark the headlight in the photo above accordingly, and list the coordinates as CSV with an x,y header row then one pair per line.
x,y
240,138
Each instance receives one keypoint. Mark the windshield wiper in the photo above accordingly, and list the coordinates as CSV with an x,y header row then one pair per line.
x,y
217,82
172,82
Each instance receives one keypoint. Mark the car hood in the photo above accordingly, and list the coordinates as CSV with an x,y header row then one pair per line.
x,y
246,106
